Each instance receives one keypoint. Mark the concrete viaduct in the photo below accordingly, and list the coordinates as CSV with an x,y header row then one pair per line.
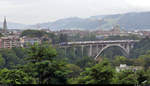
x,y
95,48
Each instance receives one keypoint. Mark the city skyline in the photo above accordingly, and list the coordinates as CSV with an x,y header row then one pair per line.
x,y
36,11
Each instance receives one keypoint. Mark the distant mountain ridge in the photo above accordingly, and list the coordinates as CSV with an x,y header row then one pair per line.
x,y
69,23
12,25
129,21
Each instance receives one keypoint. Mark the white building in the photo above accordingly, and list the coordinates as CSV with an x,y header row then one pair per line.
x,y
126,67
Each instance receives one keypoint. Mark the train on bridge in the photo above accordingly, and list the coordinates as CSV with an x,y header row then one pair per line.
x,y
97,42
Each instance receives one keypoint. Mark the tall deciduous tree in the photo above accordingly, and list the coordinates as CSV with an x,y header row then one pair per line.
x,y
15,77
101,73
126,77
38,53
43,67
120,60
144,60
2,61
63,38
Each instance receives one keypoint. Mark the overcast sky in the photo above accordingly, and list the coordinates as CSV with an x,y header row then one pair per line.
x,y
36,11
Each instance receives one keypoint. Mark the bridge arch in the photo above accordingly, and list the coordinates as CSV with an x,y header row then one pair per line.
x,y
125,51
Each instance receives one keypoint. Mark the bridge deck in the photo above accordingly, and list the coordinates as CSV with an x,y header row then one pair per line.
x,y
98,42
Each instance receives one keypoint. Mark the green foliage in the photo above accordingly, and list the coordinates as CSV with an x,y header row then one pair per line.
x,y
1,35
63,38
55,38
85,62
10,58
33,33
59,73
2,61
130,77
14,77
120,60
43,67
38,53
112,52
39,34
60,53
48,72
75,70
20,52
89,37
146,75
140,48
126,77
101,73
144,60
142,76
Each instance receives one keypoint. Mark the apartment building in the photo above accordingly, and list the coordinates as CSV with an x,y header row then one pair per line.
x,y
9,42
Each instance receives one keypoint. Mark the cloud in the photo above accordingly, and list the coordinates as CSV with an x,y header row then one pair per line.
x,y
34,11
139,3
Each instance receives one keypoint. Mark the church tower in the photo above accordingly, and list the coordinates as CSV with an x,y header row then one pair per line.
x,y
5,26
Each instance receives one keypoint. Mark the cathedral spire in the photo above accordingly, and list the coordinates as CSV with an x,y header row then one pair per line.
x,y
5,26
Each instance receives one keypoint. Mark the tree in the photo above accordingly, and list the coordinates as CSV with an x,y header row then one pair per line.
x,y
119,60
142,76
15,77
75,70
63,38
43,67
10,58
140,48
85,62
89,37
33,33
2,61
1,35
146,75
125,77
38,53
144,60
74,73
101,73
58,73
48,72
54,72
20,52
55,38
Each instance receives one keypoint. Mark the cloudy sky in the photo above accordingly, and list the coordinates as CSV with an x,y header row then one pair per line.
x,y
36,11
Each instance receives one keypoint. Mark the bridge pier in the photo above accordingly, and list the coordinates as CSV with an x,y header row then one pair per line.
x,y
90,51
96,49
82,48
65,51
74,49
